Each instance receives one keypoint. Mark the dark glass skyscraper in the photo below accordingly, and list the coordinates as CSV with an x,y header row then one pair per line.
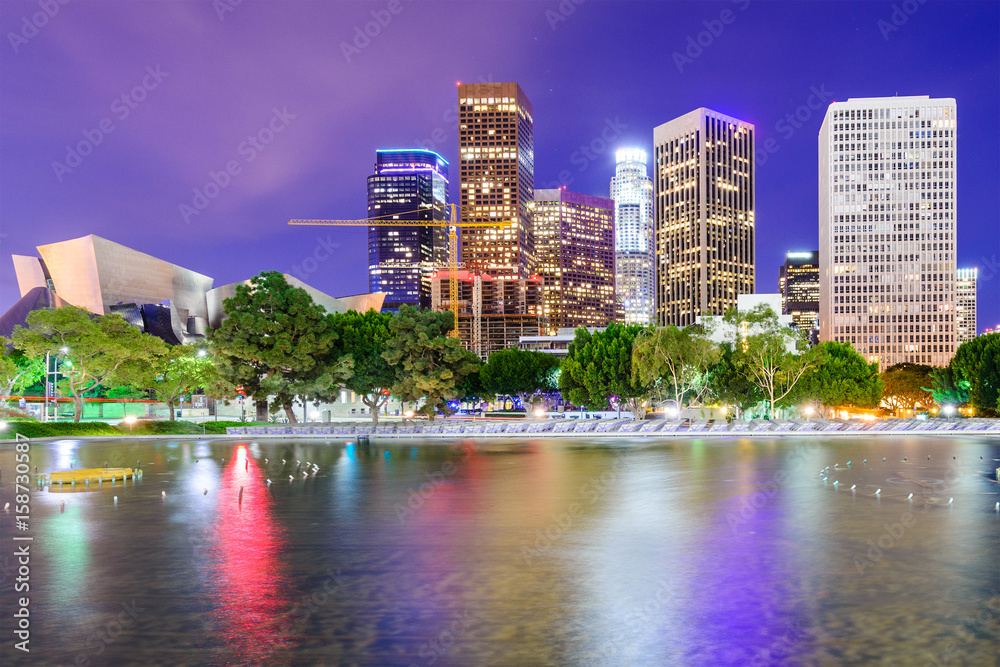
x,y
408,184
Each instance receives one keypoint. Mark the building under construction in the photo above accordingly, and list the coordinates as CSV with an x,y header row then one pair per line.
x,y
493,313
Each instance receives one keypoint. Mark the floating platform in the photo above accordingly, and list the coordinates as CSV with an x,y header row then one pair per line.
x,y
92,475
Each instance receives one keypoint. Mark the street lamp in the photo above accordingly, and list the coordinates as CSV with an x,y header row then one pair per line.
x,y
130,420
809,410
202,353
948,410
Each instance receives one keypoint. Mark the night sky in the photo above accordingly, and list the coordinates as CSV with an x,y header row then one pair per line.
x,y
210,75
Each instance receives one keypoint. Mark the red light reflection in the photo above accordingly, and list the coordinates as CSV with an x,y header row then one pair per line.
x,y
252,587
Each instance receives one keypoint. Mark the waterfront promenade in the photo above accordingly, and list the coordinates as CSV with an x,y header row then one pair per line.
x,y
624,428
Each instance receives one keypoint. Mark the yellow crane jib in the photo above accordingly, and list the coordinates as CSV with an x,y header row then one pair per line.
x,y
395,220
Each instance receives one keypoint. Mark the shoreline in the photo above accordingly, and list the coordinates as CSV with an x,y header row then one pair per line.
x,y
612,429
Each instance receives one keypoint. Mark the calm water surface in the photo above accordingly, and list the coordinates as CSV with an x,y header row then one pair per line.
x,y
690,552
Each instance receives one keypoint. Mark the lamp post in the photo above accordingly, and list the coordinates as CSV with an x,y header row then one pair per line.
x,y
809,410
130,420
948,410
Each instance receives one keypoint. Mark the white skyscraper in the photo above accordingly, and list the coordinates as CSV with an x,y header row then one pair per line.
x,y
965,303
635,272
887,228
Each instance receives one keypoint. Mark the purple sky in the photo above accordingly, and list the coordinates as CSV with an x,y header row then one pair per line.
x,y
604,68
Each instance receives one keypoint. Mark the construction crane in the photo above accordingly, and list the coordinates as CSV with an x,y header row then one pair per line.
x,y
394,220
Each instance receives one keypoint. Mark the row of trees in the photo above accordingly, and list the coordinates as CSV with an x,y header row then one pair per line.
x,y
277,346
760,362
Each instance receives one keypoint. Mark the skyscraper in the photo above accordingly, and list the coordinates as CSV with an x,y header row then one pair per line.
x,y
965,303
887,228
798,283
575,247
704,186
635,274
497,175
408,184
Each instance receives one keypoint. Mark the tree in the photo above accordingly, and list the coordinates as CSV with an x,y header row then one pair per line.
x,y
429,363
978,363
903,385
774,356
18,371
599,367
948,387
99,349
275,341
674,359
519,372
364,337
180,370
843,379
729,385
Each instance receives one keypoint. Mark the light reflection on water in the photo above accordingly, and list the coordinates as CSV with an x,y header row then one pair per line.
x,y
702,552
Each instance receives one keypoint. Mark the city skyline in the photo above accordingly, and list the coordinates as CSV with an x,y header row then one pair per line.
x,y
175,143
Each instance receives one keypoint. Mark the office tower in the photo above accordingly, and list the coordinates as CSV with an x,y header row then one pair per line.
x,y
635,275
408,184
798,283
887,228
965,303
497,174
575,249
704,186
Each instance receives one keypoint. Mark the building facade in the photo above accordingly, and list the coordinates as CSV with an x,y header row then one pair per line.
x,y
408,184
635,272
575,248
965,304
159,298
493,313
704,202
798,284
497,175
887,214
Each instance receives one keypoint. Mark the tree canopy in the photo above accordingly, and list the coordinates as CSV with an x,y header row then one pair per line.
x,y
773,355
93,350
599,367
180,370
978,362
519,372
429,363
675,361
18,371
364,337
843,379
903,385
275,341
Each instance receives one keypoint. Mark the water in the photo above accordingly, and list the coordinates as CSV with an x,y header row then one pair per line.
x,y
699,552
